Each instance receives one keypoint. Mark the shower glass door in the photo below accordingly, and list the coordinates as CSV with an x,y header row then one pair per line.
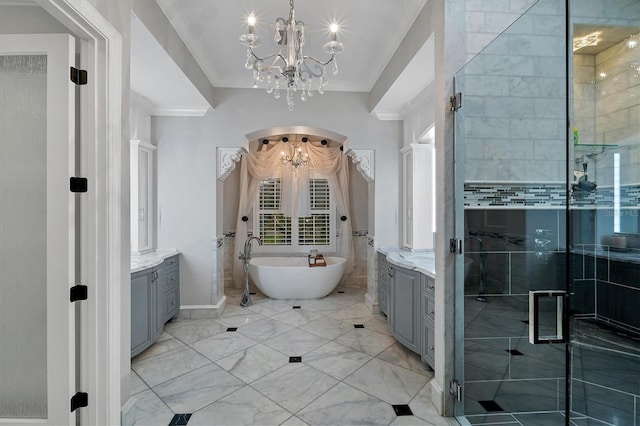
x,y
604,170
551,209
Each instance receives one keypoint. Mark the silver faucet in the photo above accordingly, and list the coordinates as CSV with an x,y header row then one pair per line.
x,y
245,256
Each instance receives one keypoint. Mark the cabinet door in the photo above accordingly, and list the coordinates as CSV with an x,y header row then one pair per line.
x,y
405,307
141,311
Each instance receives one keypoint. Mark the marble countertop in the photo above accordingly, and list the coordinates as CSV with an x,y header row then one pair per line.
x,y
611,253
421,261
140,262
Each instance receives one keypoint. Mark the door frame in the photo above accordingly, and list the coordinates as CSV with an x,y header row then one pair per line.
x,y
104,317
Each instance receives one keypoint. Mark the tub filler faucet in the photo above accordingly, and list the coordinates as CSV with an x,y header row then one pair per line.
x,y
245,256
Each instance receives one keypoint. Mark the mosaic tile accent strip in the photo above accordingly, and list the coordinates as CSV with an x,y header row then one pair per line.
x,y
514,194
494,194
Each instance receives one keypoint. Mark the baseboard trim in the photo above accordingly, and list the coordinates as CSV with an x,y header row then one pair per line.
x,y
126,412
371,304
437,397
203,311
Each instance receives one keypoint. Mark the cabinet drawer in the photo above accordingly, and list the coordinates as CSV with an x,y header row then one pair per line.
x,y
171,278
429,305
170,262
172,303
428,348
428,284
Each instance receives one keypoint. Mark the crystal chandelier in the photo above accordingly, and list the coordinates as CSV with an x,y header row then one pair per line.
x,y
296,158
289,68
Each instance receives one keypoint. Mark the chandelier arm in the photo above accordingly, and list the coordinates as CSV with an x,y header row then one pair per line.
x,y
304,68
275,55
319,62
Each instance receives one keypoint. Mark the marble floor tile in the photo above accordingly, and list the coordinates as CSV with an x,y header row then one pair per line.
x,y
399,355
295,342
149,410
327,327
323,305
367,341
297,317
136,384
223,345
378,323
336,360
179,322
422,407
295,421
198,331
239,317
409,421
357,312
387,382
253,362
198,388
345,405
165,343
243,407
168,365
270,307
263,330
294,386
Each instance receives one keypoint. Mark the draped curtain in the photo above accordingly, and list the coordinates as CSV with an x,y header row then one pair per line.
x,y
328,163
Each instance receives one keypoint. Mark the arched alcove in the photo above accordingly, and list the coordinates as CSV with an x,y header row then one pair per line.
x,y
360,184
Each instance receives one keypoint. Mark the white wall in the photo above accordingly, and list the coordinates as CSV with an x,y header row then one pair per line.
x,y
187,168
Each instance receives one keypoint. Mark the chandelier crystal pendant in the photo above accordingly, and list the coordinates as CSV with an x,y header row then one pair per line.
x,y
289,69
296,159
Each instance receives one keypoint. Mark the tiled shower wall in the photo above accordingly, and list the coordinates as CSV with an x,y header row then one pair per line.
x,y
358,277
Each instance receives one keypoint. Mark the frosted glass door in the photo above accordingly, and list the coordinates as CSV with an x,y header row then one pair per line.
x,y
37,337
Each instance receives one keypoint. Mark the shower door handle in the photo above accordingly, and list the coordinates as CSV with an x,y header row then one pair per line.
x,y
546,316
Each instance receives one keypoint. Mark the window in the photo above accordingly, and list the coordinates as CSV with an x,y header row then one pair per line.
x,y
280,233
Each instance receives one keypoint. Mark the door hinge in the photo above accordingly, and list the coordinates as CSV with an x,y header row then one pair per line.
x,y
455,246
79,400
78,292
455,102
455,389
77,76
78,184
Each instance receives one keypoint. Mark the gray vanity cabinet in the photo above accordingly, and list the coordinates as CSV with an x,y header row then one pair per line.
x,y
404,312
155,299
144,309
428,309
384,277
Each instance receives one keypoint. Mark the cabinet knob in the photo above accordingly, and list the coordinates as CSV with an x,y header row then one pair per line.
x,y
431,287
431,348
431,312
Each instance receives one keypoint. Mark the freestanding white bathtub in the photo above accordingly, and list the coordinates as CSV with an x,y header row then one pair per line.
x,y
292,278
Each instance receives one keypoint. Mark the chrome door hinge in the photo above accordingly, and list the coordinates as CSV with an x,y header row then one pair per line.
x,y
455,389
77,76
79,400
455,102
455,246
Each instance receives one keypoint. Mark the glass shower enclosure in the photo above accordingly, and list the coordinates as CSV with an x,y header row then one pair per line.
x,y
547,193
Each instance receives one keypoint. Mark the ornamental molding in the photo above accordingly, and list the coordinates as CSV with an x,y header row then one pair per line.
x,y
227,159
365,161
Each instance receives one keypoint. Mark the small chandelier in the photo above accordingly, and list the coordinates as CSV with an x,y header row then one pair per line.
x,y
296,158
289,67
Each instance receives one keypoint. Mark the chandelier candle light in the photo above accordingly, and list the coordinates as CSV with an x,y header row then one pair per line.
x,y
296,158
289,63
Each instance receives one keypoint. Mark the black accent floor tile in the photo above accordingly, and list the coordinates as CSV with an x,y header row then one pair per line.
x,y
232,328
296,307
402,410
525,321
252,293
180,419
490,406
514,352
341,292
295,359
358,325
